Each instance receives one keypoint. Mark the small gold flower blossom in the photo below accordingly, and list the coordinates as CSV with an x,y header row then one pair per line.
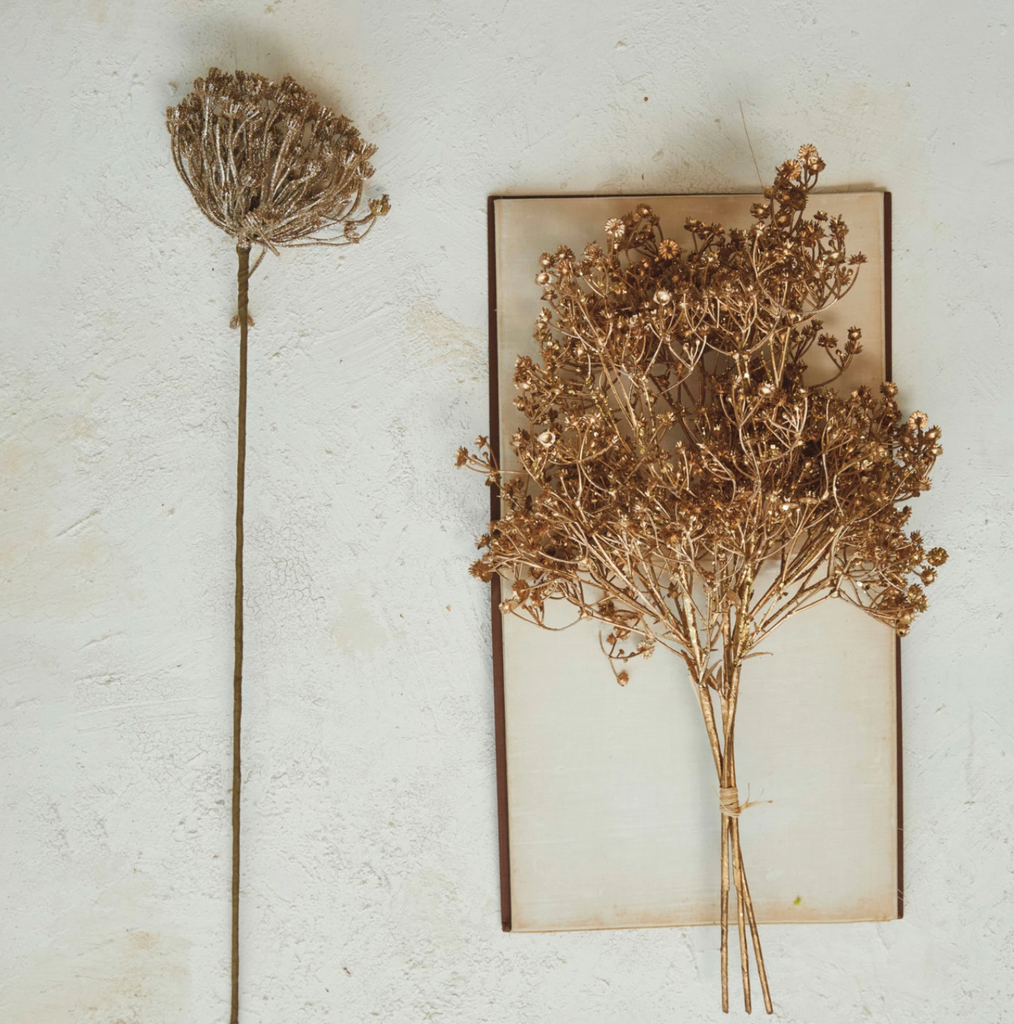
x,y
810,158
615,228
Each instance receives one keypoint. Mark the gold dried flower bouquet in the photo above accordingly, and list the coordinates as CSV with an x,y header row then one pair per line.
x,y
684,482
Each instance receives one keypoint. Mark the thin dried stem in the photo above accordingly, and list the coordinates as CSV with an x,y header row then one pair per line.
x,y
724,914
755,935
243,284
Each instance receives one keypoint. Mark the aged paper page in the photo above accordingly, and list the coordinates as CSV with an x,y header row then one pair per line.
x,y
612,799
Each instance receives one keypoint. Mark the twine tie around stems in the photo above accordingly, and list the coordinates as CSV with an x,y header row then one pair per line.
x,y
728,802
729,805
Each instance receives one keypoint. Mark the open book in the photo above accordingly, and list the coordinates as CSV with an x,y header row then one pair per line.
x,y
608,808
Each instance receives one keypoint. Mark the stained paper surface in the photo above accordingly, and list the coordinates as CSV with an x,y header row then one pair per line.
x,y
612,795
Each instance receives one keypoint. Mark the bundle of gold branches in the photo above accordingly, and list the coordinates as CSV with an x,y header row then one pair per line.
x,y
680,481
272,167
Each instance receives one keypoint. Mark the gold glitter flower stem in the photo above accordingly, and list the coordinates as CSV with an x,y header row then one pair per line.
x,y
754,934
725,914
731,849
243,281
744,902
744,955
733,869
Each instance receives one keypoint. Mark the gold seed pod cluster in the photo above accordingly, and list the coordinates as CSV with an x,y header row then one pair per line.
x,y
673,447
270,165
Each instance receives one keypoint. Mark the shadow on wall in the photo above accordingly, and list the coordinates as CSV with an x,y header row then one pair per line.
x,y
255,51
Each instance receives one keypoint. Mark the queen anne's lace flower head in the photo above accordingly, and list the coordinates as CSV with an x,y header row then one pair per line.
x,y
270,165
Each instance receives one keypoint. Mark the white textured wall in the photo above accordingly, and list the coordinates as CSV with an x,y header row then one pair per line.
x,y
371,881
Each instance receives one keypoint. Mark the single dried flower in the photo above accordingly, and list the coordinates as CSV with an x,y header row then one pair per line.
x,y
270,165
810,158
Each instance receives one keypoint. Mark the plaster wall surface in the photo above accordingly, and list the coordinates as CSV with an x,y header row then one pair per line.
x,y
370,886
